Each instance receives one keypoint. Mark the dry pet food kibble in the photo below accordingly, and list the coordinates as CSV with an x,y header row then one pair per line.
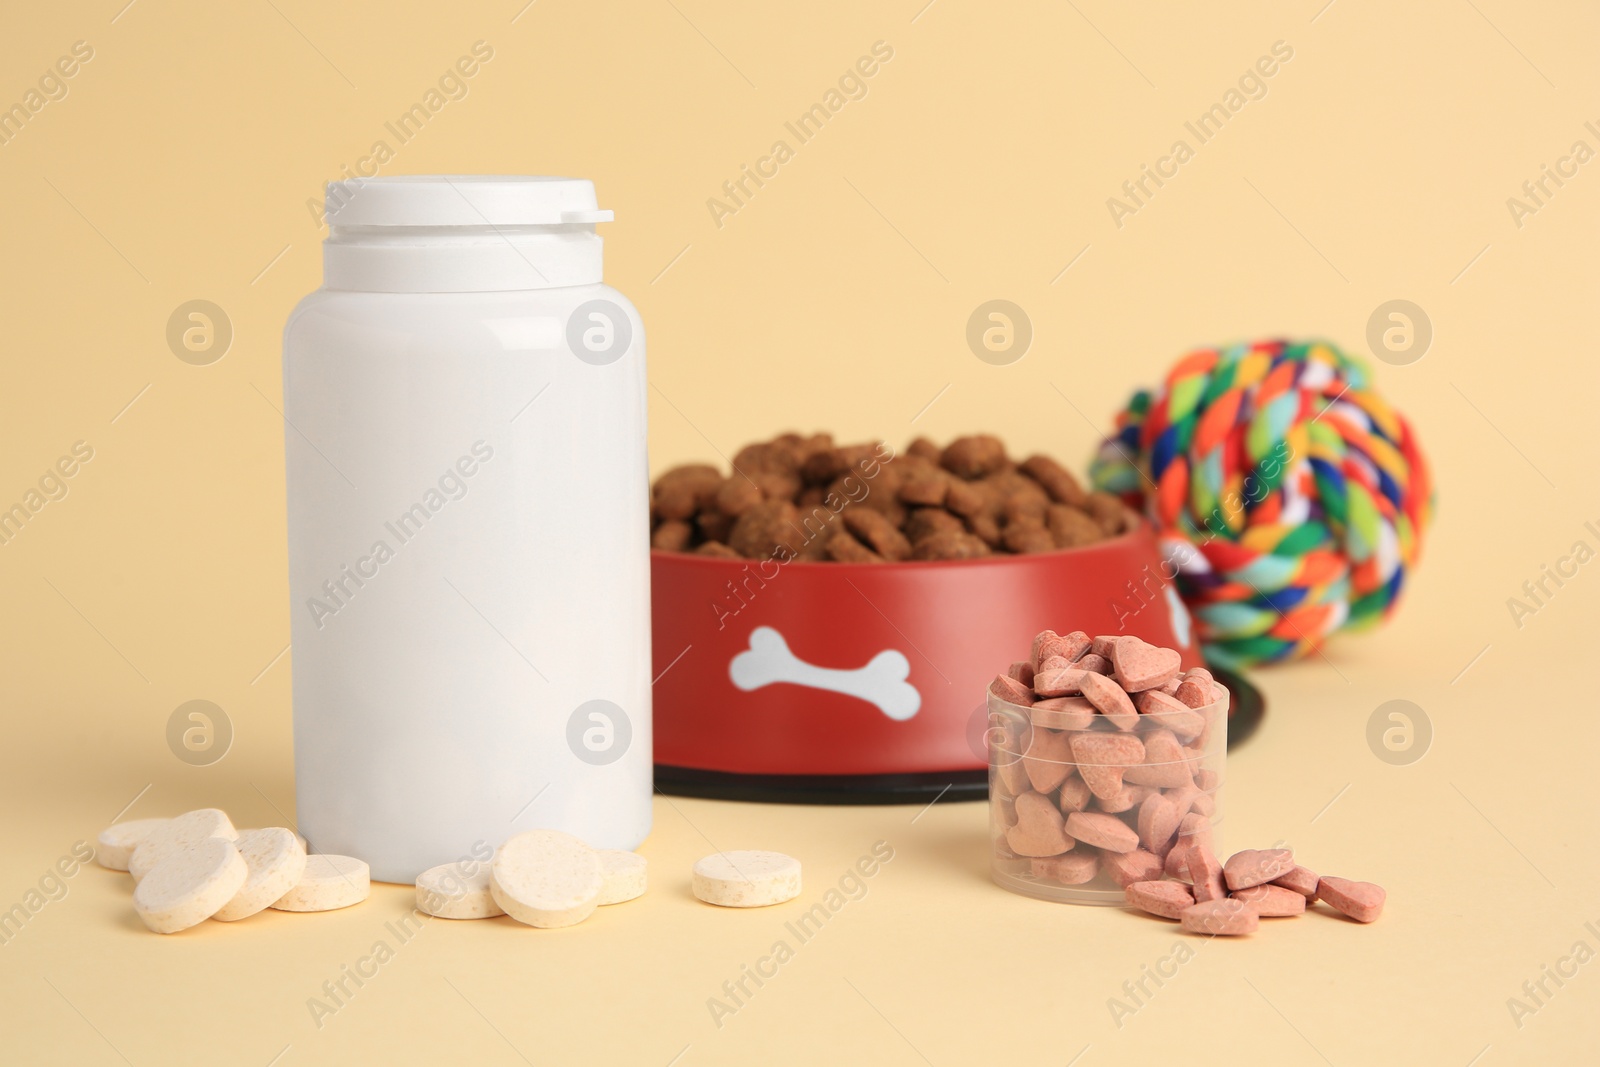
x,y
806,498
746,879
188,886
546,878
328,884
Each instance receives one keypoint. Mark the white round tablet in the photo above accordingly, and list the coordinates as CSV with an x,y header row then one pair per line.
x,y
276,862
457,891
623,875
188,887
185,831
298,836
546,878
114,847
751,878
328,883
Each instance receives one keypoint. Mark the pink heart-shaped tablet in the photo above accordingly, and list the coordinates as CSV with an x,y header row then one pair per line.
x,y
1166,899
1125,868
1220,917
1272,901
1102,758
1166,763
1205,871
1039,829
1361,901
1073,868
1158,821
1106,832
1062,713
1257,866
1048,760
1058,681
1108,696
1141,665
1074,795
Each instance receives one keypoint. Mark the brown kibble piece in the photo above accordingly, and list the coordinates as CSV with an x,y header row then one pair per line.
x,y
1107,511
765,530
846,549
673,535
737,495
1025,509
878,533
717,550
924,523
950,546
986,529
1023,538
681,491
973,457
1056,480
1071,527
925,489
966,499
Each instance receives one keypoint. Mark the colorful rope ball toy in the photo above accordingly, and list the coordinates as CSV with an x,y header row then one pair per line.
x,y
1289,497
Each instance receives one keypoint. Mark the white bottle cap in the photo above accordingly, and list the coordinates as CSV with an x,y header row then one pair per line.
x,y
463,200
439,233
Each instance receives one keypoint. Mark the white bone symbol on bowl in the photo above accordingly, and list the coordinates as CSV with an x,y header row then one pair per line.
x,y
882,682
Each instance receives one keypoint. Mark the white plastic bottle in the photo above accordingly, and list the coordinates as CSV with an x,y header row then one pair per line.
x,y
468,526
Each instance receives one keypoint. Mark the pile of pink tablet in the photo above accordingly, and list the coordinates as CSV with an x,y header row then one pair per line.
x,y
1208,897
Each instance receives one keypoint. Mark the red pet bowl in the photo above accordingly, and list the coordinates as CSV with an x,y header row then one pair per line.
x,y
861,683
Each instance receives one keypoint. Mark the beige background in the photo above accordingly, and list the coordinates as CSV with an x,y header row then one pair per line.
x,y
978,165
